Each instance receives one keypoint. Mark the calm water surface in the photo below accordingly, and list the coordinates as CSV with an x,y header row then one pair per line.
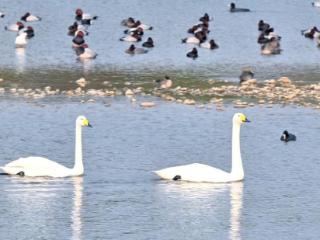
x,y
120,198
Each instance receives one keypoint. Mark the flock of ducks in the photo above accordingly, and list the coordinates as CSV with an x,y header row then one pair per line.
x,y
134,33
268,39
79,29
24,33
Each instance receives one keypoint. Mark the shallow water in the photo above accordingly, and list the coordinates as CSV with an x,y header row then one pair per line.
x,y
235,33
120,198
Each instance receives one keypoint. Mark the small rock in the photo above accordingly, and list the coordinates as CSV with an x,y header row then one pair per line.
x,y
189,102
82,82
147,104
129,92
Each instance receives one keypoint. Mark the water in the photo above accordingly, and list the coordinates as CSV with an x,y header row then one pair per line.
x,y
120,198
49,57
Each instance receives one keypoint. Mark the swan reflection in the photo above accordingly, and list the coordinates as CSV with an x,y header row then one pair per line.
x,y
206,199
236,192
76,210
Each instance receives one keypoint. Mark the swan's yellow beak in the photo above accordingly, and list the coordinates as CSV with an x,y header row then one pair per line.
x,y
244,118
86,123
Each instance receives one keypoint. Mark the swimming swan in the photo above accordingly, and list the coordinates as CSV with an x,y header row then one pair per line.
x,y
40,167
197,172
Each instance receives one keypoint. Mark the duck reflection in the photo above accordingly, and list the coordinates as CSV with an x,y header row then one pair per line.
x,y
20,56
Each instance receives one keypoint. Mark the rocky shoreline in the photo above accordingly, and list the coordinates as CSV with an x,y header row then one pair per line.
x,y
248,94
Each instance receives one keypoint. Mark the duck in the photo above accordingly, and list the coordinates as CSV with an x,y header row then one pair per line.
x,y
75,28
247,74
164,83
2,15
84,18
193,54
271,48
316,3
78,40
129,22
192,40
138,30
43,167
263,26
209,45
149,43
286,136
16,27
233,8
197,172
310,33
134,50
84,52
131,38
21,40
30,32
138,23
205,18
28,17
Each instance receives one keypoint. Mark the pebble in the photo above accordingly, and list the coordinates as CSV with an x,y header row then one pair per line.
x,y
147,104
82,82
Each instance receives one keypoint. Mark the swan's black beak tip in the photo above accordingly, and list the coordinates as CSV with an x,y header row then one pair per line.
x,y
89,125
247,120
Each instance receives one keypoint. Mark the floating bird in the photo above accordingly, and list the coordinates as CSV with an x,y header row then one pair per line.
x,y
149,43
205,18
84,18
129,22
134,50
42,167
78,40
310,33
30,32
21,40
28,17
164,83
286,136
271,48
233,8
210,45
263,26
193,53
16,27
2,15
131,38
247,74
197,172
84,52
316,3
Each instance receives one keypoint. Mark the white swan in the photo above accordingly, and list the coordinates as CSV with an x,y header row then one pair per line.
x,y
197,172
42,167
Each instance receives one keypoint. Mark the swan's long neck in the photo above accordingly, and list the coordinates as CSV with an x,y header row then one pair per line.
x,y
237,168
78,164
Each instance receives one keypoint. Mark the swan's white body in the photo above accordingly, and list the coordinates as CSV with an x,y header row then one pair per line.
x,y
21,40
197,172
42,167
